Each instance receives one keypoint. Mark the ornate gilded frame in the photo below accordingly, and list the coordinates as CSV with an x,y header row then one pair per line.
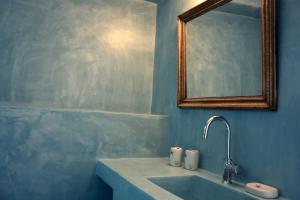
x,y
268,99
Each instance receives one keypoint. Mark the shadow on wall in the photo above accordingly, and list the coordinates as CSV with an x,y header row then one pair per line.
x,y
98,188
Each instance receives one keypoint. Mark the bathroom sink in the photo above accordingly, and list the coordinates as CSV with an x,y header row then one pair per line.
x,y
197,188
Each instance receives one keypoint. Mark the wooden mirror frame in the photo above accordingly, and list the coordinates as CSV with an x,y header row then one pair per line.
x,y
268,99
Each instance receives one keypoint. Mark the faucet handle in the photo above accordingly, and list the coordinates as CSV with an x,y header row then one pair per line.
x,y
230,169
233,168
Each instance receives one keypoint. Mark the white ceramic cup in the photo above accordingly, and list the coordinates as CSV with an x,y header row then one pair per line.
x,y
191,159
176,156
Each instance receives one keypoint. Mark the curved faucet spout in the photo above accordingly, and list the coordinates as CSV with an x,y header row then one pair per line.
x,y
229,167
219,118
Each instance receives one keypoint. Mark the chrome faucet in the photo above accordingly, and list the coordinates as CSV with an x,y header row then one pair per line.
x,y
229,167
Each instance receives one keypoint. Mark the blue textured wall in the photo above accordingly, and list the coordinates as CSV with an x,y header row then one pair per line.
x,y
52,154
62,58
94,54
265,144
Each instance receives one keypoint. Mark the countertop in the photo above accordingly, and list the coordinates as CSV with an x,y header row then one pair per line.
x,y
128,176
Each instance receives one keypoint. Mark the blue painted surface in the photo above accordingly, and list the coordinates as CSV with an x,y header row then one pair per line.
x,y
242,7
215,55
51,59
122,188
77,54
58,60
197,188
52,154
265,144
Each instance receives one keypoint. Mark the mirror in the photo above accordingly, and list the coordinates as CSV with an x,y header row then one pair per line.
x,y
226,54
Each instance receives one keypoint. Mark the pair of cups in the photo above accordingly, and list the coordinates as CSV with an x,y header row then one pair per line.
x,y
191,158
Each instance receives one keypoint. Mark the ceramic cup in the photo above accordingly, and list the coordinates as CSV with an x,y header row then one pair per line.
x,y
191,159
176,156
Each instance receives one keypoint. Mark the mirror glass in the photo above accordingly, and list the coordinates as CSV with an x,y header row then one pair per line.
x,y
223,54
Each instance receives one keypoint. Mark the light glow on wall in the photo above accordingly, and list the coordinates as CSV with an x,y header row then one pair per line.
x,y
127,39
120,38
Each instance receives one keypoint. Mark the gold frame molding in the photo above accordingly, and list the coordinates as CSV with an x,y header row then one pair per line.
x,y
268,99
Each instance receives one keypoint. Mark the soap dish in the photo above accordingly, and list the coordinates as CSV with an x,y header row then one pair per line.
x,y
261,190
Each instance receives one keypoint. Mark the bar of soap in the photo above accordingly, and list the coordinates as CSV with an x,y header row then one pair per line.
x,y
261,190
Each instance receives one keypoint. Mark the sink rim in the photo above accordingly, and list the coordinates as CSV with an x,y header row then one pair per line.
x,y
236,187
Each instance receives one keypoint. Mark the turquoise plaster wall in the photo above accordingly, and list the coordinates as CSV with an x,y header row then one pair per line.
x,y
94,54
265,144
51,154
62,62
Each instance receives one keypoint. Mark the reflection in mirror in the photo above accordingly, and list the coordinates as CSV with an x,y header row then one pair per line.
x,y
224,51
